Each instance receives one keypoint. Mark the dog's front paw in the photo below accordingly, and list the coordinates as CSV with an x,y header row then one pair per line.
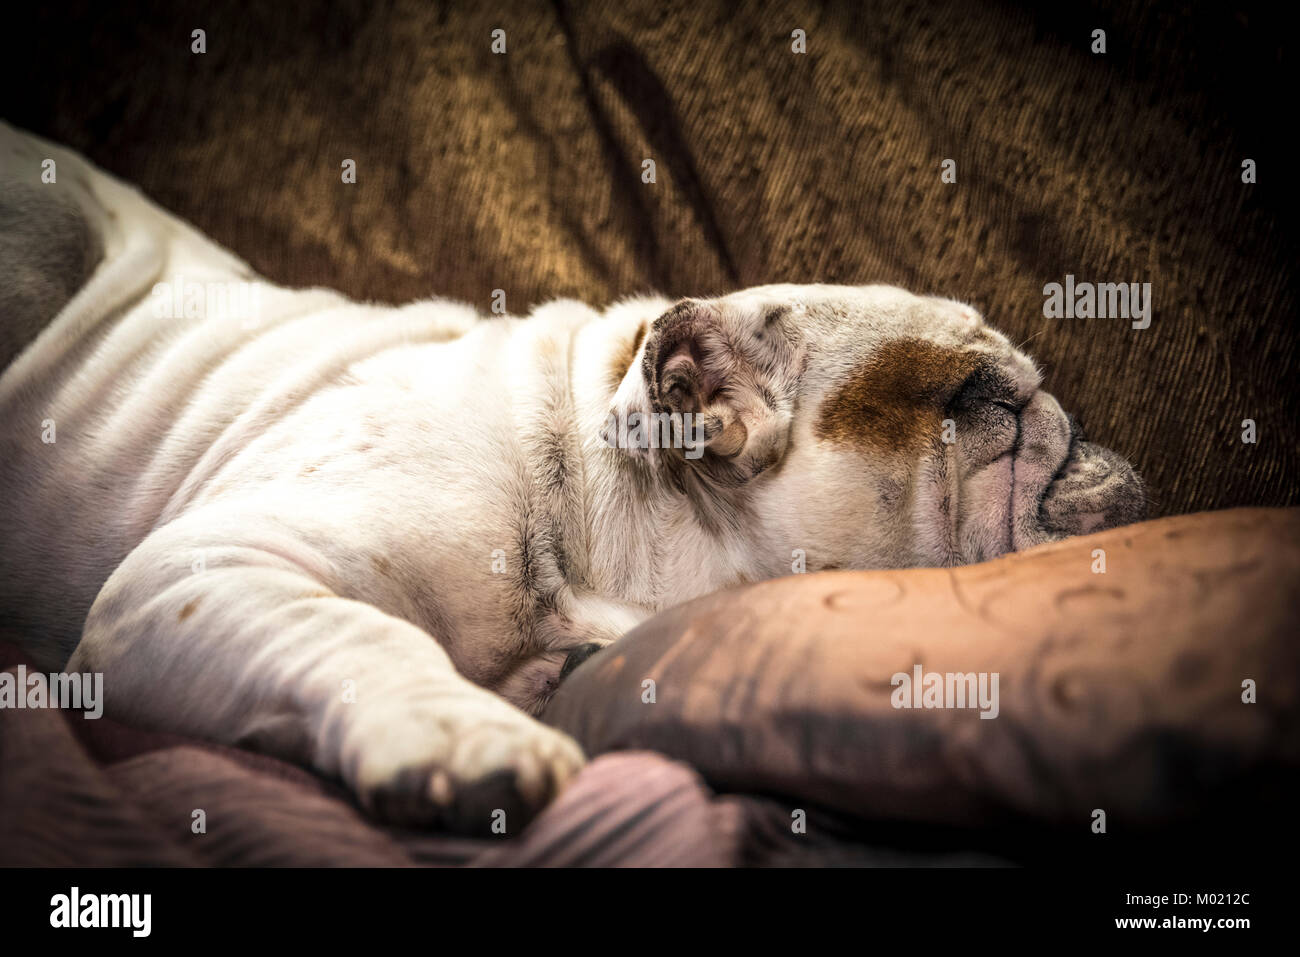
x,y
483,770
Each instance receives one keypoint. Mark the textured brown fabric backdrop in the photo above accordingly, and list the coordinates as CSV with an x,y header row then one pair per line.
x,y
522,171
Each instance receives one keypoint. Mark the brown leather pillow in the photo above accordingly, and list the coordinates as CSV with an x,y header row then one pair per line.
x,y
1120,690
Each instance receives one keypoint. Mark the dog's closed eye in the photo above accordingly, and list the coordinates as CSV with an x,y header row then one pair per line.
x,y
986,387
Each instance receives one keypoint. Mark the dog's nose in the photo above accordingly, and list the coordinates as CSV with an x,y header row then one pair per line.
x,y
577,656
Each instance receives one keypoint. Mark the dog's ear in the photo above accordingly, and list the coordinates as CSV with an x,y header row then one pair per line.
x,y
725,380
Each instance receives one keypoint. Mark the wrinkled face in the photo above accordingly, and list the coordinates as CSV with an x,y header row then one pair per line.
x,y
870,427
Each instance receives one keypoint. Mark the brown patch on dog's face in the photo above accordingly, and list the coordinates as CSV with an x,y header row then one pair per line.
x,y
894,402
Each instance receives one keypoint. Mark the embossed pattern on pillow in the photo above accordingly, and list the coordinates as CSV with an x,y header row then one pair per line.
x,y
1120,690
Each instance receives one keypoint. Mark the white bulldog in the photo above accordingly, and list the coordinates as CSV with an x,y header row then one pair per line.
x,y
374,540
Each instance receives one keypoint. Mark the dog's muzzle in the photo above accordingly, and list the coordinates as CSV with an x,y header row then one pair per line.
x,y
1063,485
1051,485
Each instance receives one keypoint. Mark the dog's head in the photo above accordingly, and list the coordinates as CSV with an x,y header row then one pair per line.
x,y
870,428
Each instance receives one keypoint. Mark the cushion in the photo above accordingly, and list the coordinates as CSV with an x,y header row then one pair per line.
x,y
1122,661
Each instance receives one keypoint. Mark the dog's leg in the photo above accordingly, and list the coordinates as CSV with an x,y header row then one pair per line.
x,y
234,630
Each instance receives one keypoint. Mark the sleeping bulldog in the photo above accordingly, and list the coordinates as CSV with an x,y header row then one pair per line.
x,y
374,540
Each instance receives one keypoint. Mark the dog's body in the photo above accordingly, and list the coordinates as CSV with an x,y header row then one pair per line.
x,y
351,534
